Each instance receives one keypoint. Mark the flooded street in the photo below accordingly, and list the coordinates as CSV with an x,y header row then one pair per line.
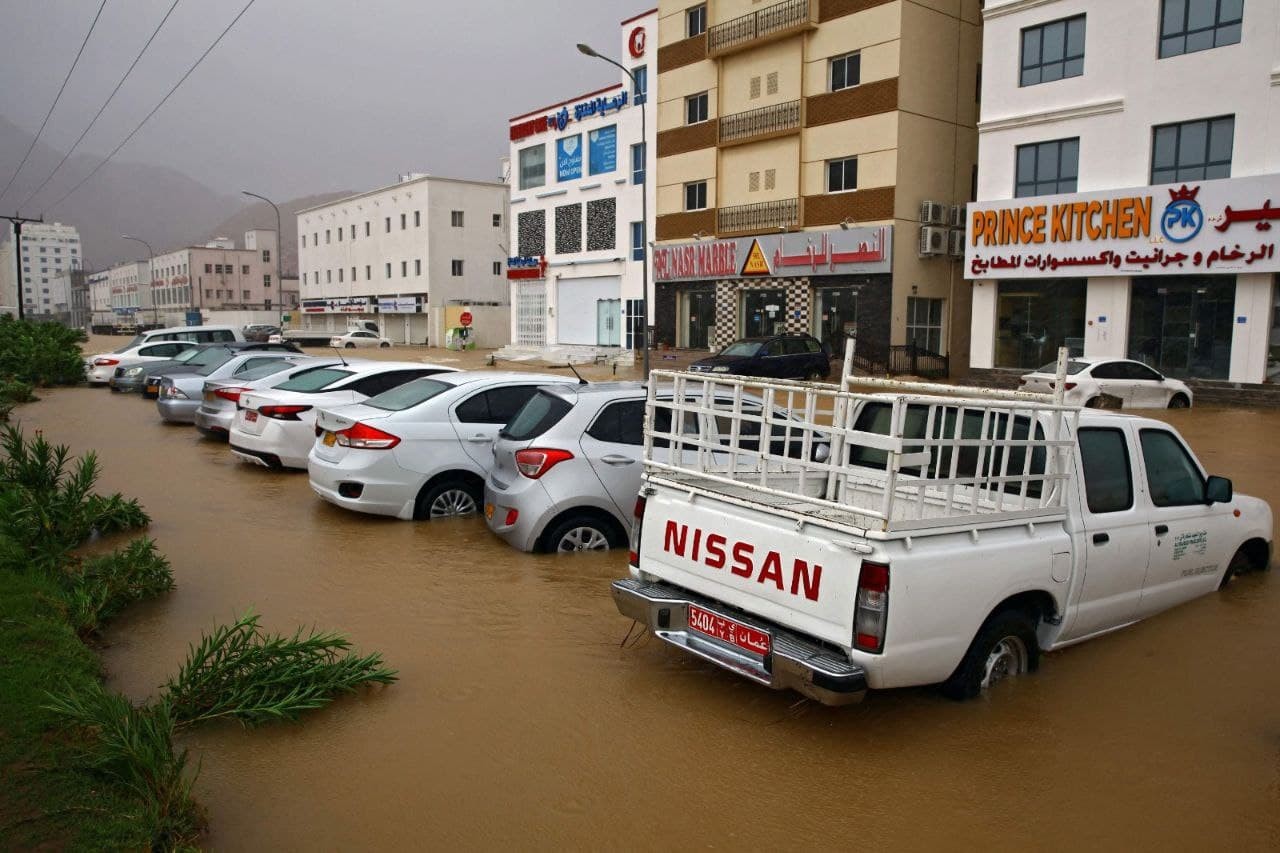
x,y
519,722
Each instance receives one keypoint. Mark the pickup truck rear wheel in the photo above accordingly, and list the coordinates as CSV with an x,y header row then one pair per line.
x,y
1005,647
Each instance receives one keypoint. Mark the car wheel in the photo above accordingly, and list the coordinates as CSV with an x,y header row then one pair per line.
x,y
349,345
1179,401
446,500
816,376
580,533
1005,648
384,345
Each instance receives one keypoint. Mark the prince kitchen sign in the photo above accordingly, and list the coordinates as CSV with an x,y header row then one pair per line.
x,y
1222,227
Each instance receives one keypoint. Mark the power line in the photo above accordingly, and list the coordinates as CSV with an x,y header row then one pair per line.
x,y
102,109
154,110
56,98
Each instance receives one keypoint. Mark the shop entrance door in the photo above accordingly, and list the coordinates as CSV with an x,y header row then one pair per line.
x,y
1182,326
764,312
701,308
837,316
608,322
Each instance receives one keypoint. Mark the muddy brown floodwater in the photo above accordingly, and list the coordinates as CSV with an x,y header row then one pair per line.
x,y
518,722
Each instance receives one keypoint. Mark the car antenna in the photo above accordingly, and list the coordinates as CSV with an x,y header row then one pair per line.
x,y
340,358
581,381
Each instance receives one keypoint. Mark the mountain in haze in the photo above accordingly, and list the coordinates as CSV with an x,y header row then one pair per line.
x,y
260,215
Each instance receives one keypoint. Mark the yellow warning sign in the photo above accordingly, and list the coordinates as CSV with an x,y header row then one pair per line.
x,y
756,263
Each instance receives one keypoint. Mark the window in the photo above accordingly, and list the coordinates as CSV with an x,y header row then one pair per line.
x,y
497,267
695,108
455,218
695,21
339,275
304,278
641,83
304,241
246,294
368,272
388,224
388,269
924,323
315,238
404,221
353,231
455,267
842,175
366,229
771,83
1187,26
417,219
495,406
637,241
266,279
404,269
353,273
244,269
753,87
846,71
327,236
1172,477
695,196
497,220
417,266
1108,479
637,163
533,167
620,423
1053,51
208,268
1045,168
340,234
1192,150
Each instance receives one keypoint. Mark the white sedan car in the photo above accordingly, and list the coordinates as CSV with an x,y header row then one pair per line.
x,y
101,367
276,427
1111,383
422,450
354,339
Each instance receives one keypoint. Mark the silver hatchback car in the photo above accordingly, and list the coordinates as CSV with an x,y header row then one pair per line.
x,y
567,468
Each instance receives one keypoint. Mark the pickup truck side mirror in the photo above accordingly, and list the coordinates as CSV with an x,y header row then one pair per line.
x,y
1217,490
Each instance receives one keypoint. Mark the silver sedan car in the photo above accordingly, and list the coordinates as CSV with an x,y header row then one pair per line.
x,y
181,394
220,397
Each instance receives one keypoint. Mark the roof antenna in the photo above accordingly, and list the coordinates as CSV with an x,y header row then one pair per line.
x,y
340,358
581,381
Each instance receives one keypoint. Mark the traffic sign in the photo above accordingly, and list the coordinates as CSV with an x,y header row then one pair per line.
x,y
466,318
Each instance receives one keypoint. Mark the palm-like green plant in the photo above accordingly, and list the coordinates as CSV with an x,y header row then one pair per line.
x,y
243,673
103,586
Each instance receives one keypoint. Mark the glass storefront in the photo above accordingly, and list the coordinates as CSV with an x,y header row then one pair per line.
x,y
764,312
1182,325
837,315
1034,318
700,318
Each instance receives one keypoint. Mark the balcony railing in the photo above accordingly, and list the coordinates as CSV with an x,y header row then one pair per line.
x,y
765,121
761,216
773,21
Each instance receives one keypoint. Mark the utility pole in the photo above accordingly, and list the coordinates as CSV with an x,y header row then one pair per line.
x,y
17,222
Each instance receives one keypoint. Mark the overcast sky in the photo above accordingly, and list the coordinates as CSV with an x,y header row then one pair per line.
x,y
303,96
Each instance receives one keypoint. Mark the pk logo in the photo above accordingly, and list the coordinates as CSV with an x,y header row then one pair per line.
x,y
1183,218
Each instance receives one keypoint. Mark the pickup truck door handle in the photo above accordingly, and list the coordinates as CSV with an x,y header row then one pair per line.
x,y
616,459
1101,539
1162,529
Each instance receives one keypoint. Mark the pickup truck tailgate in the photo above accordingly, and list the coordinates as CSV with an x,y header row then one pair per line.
x,y
753,561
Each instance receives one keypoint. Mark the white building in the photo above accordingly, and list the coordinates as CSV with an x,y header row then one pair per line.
x,y
48,250
415,256
99,284
579,169
129,286
1128,168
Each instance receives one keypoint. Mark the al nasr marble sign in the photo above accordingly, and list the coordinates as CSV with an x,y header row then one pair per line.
x,y
807,253
1223,227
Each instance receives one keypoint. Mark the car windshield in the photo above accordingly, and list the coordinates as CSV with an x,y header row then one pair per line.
x,y
407,396
1073,367
314,380
133,343
188,354
542,411
262,371
210,366
742,348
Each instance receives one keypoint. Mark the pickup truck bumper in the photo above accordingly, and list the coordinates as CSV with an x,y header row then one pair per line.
x,y
793,663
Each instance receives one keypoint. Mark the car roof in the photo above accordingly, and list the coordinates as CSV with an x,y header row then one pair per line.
x,y
466,377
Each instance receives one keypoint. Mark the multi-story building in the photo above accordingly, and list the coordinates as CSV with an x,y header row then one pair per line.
x,y
811,158
579,176
130,288
49,249
1128,168
99,284
415,255
219,277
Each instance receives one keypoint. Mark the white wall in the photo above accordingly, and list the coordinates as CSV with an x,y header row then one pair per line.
x,y
577,297
1106,298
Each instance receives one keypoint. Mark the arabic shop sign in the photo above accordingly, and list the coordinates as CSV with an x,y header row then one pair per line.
x,y
397,304
560,119
347,305
526,266
1201,226
861,251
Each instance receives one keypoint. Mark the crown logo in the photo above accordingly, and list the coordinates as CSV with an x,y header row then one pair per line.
x,y
1184,194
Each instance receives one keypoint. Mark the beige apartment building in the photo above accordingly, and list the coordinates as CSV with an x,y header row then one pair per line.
x,y
814,157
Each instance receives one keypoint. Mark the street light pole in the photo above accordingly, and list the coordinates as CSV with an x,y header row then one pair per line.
x,y
151,275
279,253
644,207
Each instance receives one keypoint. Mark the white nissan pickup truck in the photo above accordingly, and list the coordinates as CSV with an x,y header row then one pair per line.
x,y
919,538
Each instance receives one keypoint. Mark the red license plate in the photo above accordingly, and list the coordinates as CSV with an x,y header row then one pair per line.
x,y
250,416
742,636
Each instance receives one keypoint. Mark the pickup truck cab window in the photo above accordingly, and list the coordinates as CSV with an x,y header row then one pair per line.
x,y
1172,477
1108,477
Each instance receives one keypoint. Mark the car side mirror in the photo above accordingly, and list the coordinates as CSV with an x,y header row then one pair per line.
x,y
1217,490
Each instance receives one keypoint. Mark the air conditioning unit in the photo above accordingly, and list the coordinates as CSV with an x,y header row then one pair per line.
x,y
933,241
955,244
933,213
957,215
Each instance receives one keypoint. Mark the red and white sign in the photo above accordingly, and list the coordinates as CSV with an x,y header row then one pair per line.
x,y
812,253
465,318
726,630
635,43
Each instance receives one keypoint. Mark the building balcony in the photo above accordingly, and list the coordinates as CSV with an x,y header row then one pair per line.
x,y
761,123
762,26
760,217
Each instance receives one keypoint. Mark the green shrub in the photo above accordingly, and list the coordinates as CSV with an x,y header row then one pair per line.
x,y
41,354
104,586
16,391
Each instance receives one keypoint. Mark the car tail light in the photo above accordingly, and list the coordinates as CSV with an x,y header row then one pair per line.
x,y
283,413
534,462
232,394
105,362
872,607
633,553
173,392
365,437
1066,386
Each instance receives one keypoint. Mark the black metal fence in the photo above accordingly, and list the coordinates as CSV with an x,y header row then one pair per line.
x,y
917,361
775,18
761,216
758,122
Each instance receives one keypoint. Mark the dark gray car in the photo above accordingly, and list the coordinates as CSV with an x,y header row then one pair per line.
x,y
148,379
